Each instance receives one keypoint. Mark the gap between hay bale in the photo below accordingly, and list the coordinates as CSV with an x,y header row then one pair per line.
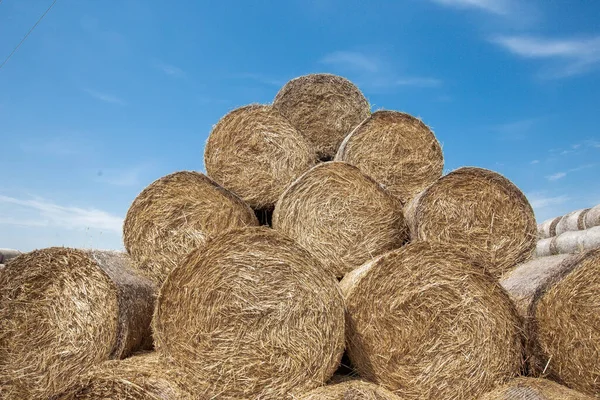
x,y
64,310
253,314
534,389
350,390
397,150
256,153
324,108
425,323
558,298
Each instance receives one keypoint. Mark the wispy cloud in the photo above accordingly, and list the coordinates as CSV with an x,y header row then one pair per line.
x,y
534,162
515,129
59,145
500,7
121,177
570,56
352,60
556,176
560,175
171,70
107,98
39,212
540,200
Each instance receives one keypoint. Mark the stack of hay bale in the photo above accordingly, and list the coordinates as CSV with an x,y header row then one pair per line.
x,y
322,231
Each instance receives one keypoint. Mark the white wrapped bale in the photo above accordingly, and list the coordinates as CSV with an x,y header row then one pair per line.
x,y
547,229
572,221
569,242
592,217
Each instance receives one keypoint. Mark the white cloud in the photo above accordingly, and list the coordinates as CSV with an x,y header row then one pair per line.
x,y
40,212
500,7
352,60
171,70
539,200
572,56
534,162
107,98
557,176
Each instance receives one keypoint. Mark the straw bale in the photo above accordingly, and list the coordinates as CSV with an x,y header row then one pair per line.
x,y
534,389
350,390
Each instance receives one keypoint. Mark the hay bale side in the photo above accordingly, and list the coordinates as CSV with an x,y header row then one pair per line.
x,y
479,211
254,315
534,389
592,217
343,217
350,390
141,377
324,108
569,242
397,150
544,247
558,298
256,153
547,229
175,215
425,323
64,310
573,221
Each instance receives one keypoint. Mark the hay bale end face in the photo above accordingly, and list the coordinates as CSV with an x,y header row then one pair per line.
x,y
324,108
350,390
343,217
63,311
425,323
256,153
397,150
534,389
254,315
558,298
479,211
176,214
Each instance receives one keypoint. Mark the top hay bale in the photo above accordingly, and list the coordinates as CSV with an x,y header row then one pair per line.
x,y
547,229
324,108
479,211
343,217
397,150
350,390
64,310
592,217
573,221
253,315
176,214
558,298
534,389
256,153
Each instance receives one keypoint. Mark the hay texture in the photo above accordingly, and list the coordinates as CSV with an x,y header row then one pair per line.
x,y
324,108
343,217
397,150
141,377
569,242
254,315
559,298
534,389
175,215
592,217
350,390
63,311
479,211
425,323
256,153
573,221
547,229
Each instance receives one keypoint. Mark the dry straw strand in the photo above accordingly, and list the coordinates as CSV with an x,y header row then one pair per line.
x,y
397,150
256,153
479,211
350,390
176,214
64,310
343,217
425,323
324,108
534,389
253,314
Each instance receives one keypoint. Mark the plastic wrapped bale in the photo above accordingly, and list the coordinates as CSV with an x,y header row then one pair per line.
x,y
592,217
350,390
254,315
64,310
324,108
569,242
547,229
558,298
534,389
176,214
426,323
573,221
256,153
397,150
479,211
343,217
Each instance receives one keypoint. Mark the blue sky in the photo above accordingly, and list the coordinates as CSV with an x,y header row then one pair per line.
x,y
105,97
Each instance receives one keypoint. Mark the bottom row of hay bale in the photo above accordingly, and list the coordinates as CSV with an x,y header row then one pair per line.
x,y
254,316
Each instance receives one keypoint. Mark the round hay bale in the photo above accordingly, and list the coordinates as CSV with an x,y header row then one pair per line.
x,y
559,298
343,217
64,310
350,390
479,211
7,254
256,153
425,323
547,229
569,242
534,389
176,214
592,217
141,377
253,314
572,221
544,247
324,108
397,150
